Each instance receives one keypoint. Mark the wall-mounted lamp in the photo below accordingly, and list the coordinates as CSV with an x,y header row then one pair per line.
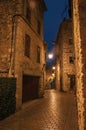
x,y
53,74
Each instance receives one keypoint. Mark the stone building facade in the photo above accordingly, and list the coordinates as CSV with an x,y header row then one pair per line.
x,y
22,53
79,20
65,65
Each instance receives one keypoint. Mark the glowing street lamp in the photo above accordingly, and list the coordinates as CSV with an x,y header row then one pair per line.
x,y
53,74
53,67
50,56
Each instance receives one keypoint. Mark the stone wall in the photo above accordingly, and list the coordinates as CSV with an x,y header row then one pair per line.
x,y
66,46
58,63
5,33
23,64
8,10
13,27
67,52
79,17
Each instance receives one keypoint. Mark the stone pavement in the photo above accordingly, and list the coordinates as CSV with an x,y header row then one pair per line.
x,y
56,111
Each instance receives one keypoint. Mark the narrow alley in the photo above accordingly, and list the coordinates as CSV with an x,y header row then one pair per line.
x,y
56,111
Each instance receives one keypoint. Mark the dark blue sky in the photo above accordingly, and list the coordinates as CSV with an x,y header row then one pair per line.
x,y
56,11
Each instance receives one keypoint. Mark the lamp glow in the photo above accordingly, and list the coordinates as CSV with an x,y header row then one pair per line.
x,y
50,56
53,68
53,74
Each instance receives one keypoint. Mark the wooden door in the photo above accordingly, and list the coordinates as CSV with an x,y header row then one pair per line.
x,y
30,88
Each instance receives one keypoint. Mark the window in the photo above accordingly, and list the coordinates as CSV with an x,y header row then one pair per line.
x,y
27,45
38,54
70,41
38,27
28,14
71,60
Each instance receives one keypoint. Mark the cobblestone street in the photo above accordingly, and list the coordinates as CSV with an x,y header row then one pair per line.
x,y
56,111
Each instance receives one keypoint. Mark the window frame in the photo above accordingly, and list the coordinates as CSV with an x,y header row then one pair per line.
x,y
27,45
38,27
38,54
70,41
28,14
71,60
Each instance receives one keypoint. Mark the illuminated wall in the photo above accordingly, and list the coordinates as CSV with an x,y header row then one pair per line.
x,y
79,19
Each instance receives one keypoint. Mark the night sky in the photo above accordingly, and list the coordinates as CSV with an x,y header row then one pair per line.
x,y
56,11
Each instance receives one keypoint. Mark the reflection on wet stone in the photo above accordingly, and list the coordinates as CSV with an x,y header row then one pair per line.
x,y
56,111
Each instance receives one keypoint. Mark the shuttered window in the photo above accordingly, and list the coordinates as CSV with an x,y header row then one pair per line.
x,y
39,27
71,60
38,54
28,14
27,45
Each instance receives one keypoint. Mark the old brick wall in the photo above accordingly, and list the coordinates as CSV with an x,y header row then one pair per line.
x,y
58,66
5,35
13,27
66,47
23,64
82,15
58,52
7,17
8,10
79,17
67,52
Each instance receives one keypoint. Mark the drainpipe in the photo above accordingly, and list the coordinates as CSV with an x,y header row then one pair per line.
x,y
11,72
12,53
